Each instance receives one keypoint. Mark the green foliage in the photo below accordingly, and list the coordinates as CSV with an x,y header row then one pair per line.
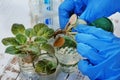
x,y
40,40
12,50
38,27
28,40
48,33
21,39
18,28
29,43
29,32
69,42
42,31
45,66
9,41
48,48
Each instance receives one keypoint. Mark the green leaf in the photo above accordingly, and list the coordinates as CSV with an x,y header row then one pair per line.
x,y
42,31
12,50
48,33
39,68
40,40
69,42
45,66
22,39
29,32
38,27
52,65
33,48
18,28
9,41
47,47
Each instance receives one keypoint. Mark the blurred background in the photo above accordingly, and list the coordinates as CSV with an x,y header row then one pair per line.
x,y
12,11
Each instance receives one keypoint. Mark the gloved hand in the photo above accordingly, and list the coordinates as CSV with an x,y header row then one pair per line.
x,y
102,8
102,52
69,7
89,10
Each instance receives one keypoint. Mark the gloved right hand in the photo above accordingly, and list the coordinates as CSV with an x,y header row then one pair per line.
x,y
102,52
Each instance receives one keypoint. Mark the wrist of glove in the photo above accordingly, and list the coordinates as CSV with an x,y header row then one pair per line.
x,y
102,50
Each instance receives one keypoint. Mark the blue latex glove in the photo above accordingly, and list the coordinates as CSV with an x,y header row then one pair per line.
x,y
69,7
88,10
102,50
96,9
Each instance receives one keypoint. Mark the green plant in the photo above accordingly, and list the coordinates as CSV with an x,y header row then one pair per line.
x,y
66,37
45,67
29,41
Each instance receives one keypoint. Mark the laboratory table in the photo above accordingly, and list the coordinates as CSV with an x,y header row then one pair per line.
x,y
9,70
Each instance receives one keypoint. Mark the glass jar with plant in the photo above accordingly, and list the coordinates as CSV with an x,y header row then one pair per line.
x,y
28,44
66,44
46,65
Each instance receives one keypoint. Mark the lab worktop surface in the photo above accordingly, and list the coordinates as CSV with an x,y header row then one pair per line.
x,y
9,70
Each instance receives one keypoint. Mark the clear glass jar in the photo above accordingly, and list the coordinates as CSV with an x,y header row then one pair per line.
x,y
68,59
27,71
46,62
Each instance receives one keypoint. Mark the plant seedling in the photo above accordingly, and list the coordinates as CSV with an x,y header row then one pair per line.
x,y
29,41
67,31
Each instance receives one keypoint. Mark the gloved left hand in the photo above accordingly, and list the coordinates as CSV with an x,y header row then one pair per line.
x,y
102,50
69,7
